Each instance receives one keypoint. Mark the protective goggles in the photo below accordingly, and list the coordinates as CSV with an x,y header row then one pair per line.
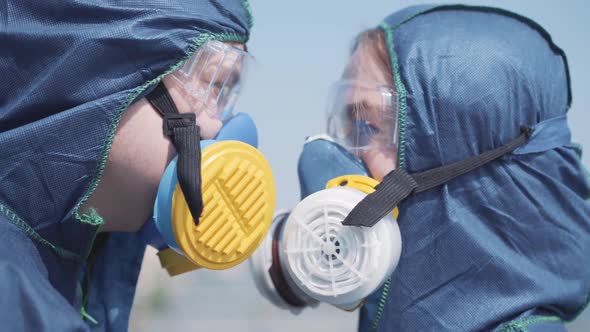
x,y
362,115
211,80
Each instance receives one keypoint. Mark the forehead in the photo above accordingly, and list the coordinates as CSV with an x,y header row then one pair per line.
x,y
238,45
363,65
213,61
226,57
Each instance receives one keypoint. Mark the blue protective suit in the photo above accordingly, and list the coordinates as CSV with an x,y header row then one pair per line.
x,y
503,247
69,70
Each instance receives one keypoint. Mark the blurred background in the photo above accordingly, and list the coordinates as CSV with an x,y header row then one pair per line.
x,y
301,47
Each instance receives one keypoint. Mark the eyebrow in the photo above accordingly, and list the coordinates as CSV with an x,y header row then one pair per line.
x,y
359,106
235,74
234,77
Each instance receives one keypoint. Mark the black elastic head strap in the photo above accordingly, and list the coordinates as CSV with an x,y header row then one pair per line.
x,y
183,131
398,185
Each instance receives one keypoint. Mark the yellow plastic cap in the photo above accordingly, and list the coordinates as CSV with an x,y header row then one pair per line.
x,y
359,182
175,263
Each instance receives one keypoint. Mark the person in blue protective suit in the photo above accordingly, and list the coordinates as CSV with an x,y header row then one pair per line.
x,y
454,120
98,100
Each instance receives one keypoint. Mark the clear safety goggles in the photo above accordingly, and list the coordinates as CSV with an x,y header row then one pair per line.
x,y
363,115
213,77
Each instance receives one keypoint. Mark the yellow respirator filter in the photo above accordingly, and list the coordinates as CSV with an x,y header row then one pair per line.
x,y
239,199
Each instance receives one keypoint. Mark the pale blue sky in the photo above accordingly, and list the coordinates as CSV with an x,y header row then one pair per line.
x,y
301,47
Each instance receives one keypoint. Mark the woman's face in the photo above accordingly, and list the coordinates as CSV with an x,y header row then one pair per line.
x,y
367,107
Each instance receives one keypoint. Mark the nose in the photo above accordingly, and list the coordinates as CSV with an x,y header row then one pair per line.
x,y
209,125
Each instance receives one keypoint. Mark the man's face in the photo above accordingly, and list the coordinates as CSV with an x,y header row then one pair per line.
x,y
200,90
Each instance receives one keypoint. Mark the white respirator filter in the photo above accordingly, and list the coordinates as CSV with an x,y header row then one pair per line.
x,y
321,260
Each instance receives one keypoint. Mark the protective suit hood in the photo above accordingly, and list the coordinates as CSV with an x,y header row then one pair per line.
x,y
504,241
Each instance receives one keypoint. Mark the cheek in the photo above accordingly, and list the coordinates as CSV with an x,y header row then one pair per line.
x,y
209,125
380,161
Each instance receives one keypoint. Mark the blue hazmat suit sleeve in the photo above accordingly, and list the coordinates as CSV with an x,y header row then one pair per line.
x,y
113,281
29,302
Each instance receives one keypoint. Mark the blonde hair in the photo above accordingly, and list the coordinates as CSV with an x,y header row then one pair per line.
x,y
372,43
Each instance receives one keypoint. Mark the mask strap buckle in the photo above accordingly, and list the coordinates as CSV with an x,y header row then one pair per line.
x,y
174,120
183,131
